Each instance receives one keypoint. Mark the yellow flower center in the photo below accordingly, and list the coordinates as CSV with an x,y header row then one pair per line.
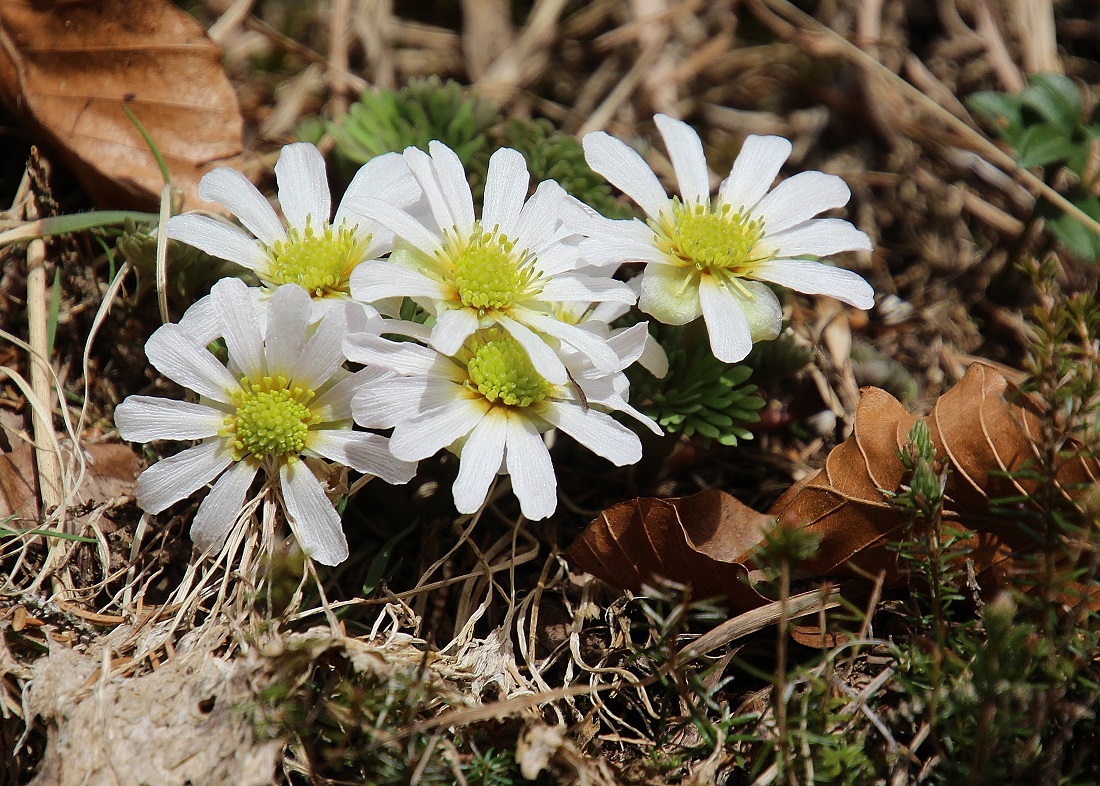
x,y
318,261
489,275
272,419
501,371
712,238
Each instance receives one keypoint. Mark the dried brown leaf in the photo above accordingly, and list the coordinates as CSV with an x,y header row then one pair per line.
x,y
110,472
976,427
70,67
709,539
688,539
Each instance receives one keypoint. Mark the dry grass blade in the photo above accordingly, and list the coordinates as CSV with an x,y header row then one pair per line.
x,y
800,19
813,602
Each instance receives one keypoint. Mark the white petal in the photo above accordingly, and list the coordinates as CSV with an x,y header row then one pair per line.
x,y
688,161
819,237
626,170
588,289
594,347
429,432
453,184
177,356
366,453
800,198
237,319
386,402
334,403
727,325
583,219
481,457
754,170
217,239
542,357
629,343
380,279
400,356
394,219
654,359
311,515
529,466
452,327
403,327
608,311
145,419
200,322
669,293
288,316
814,278
179,476
615,250
505,189
323,353
386,177
762,309
539,217
243,200
303,185
423,169
597,431
557,259
221,507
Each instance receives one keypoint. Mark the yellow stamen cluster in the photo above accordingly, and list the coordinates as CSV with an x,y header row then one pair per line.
x,y
272,420
712,238
501,371
489,274
318,261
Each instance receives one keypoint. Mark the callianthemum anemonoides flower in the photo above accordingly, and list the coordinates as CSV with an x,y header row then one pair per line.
x,y
488,404
506,269
283,397
715,256
311,251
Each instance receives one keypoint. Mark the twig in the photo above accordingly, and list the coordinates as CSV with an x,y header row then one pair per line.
x,y
38,310
338,30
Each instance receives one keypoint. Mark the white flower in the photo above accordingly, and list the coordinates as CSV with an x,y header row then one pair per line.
x,y
597,318
507,268
311,252
489,405
285,396
709,256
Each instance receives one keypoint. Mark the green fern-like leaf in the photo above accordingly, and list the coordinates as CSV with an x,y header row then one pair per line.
x,y
424,110
552,155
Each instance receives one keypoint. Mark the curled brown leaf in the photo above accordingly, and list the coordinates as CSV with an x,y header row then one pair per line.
x,y
986,434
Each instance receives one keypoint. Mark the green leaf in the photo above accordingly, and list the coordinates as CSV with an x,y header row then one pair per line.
x,y
381,560
1056,98
1070,232
1001,109
55,310
45,533
1044,144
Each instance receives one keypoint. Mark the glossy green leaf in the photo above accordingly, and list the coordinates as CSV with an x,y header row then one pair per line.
x,y
1070,232
1044,144
1056,98
1001,109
